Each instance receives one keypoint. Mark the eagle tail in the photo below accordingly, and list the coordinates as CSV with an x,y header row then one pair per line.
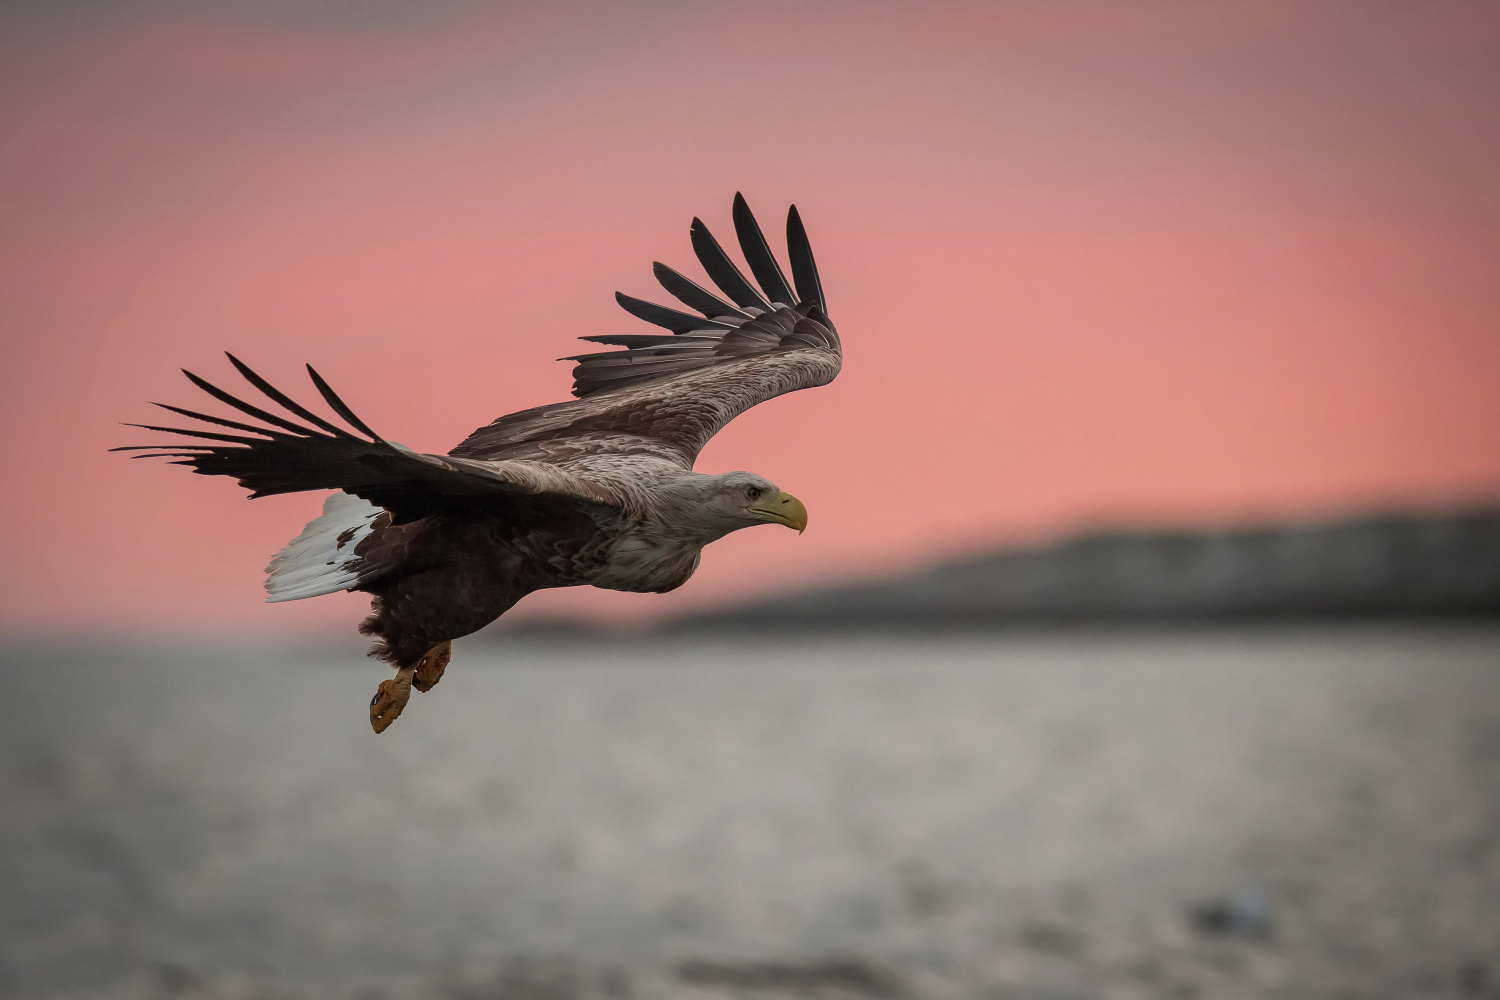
x,y
322,560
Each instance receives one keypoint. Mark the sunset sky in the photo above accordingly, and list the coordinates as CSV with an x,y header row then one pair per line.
x,y
1092,262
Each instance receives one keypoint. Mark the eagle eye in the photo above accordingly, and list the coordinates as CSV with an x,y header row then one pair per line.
x,y
754,492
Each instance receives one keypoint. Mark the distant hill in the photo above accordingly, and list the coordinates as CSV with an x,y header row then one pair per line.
x,y
1393,565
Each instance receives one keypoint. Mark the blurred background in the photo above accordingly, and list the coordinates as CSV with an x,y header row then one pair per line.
x,y
1177,674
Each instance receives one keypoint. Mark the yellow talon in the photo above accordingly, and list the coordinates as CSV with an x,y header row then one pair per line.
x,y
431,666
390,698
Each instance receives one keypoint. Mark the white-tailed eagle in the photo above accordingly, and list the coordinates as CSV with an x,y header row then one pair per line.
x,y
597,490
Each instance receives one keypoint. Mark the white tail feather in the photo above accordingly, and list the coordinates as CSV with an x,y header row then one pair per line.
x,y
320,560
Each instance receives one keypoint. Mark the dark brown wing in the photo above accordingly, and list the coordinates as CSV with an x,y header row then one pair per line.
x,y
281,455
667,394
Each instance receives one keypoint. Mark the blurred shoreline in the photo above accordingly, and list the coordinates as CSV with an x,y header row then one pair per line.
x,y
1387,566
1400,568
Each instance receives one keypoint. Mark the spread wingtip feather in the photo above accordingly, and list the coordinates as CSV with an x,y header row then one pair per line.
x,y
758,254
804,267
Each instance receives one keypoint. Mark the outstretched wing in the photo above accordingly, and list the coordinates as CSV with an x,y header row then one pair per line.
x,y
281,455
667,394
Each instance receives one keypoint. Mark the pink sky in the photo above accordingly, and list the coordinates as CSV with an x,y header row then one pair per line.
x,y
1092,262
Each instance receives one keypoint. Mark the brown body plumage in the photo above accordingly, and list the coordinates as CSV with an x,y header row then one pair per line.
x,y
596,491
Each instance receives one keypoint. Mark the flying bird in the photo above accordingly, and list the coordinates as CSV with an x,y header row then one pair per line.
x,y
598,490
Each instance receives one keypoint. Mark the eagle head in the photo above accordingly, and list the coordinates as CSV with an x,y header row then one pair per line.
x,y
735,500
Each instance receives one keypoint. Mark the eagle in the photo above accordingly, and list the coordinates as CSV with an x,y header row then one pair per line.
x,y
598,490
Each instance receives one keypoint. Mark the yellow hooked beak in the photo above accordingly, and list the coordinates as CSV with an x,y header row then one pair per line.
x,y
783,509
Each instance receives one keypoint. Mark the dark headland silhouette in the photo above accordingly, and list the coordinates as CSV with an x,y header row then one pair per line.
x,y
1392,565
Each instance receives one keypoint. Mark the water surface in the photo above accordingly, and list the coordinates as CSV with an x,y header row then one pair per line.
x,y
1021,815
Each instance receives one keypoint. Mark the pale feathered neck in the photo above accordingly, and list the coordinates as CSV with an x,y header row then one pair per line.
x,y
681,507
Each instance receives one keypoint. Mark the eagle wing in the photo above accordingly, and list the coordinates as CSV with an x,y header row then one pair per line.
x,y
654,404
665,395
283,455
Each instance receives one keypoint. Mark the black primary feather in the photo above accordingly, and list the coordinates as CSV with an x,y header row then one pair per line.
x,y
242,406
217,420
339,406
206,435
804,267
636,354
639,340
722,270
276,395
693,295
758,254
672,319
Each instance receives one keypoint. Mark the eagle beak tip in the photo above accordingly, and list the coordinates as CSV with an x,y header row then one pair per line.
x,y
793,512
787,510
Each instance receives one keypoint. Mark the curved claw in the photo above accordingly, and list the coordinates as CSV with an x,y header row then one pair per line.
x,y
431,666
390,698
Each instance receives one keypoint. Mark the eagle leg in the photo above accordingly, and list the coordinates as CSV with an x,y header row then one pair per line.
x,y
431,666
390,698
